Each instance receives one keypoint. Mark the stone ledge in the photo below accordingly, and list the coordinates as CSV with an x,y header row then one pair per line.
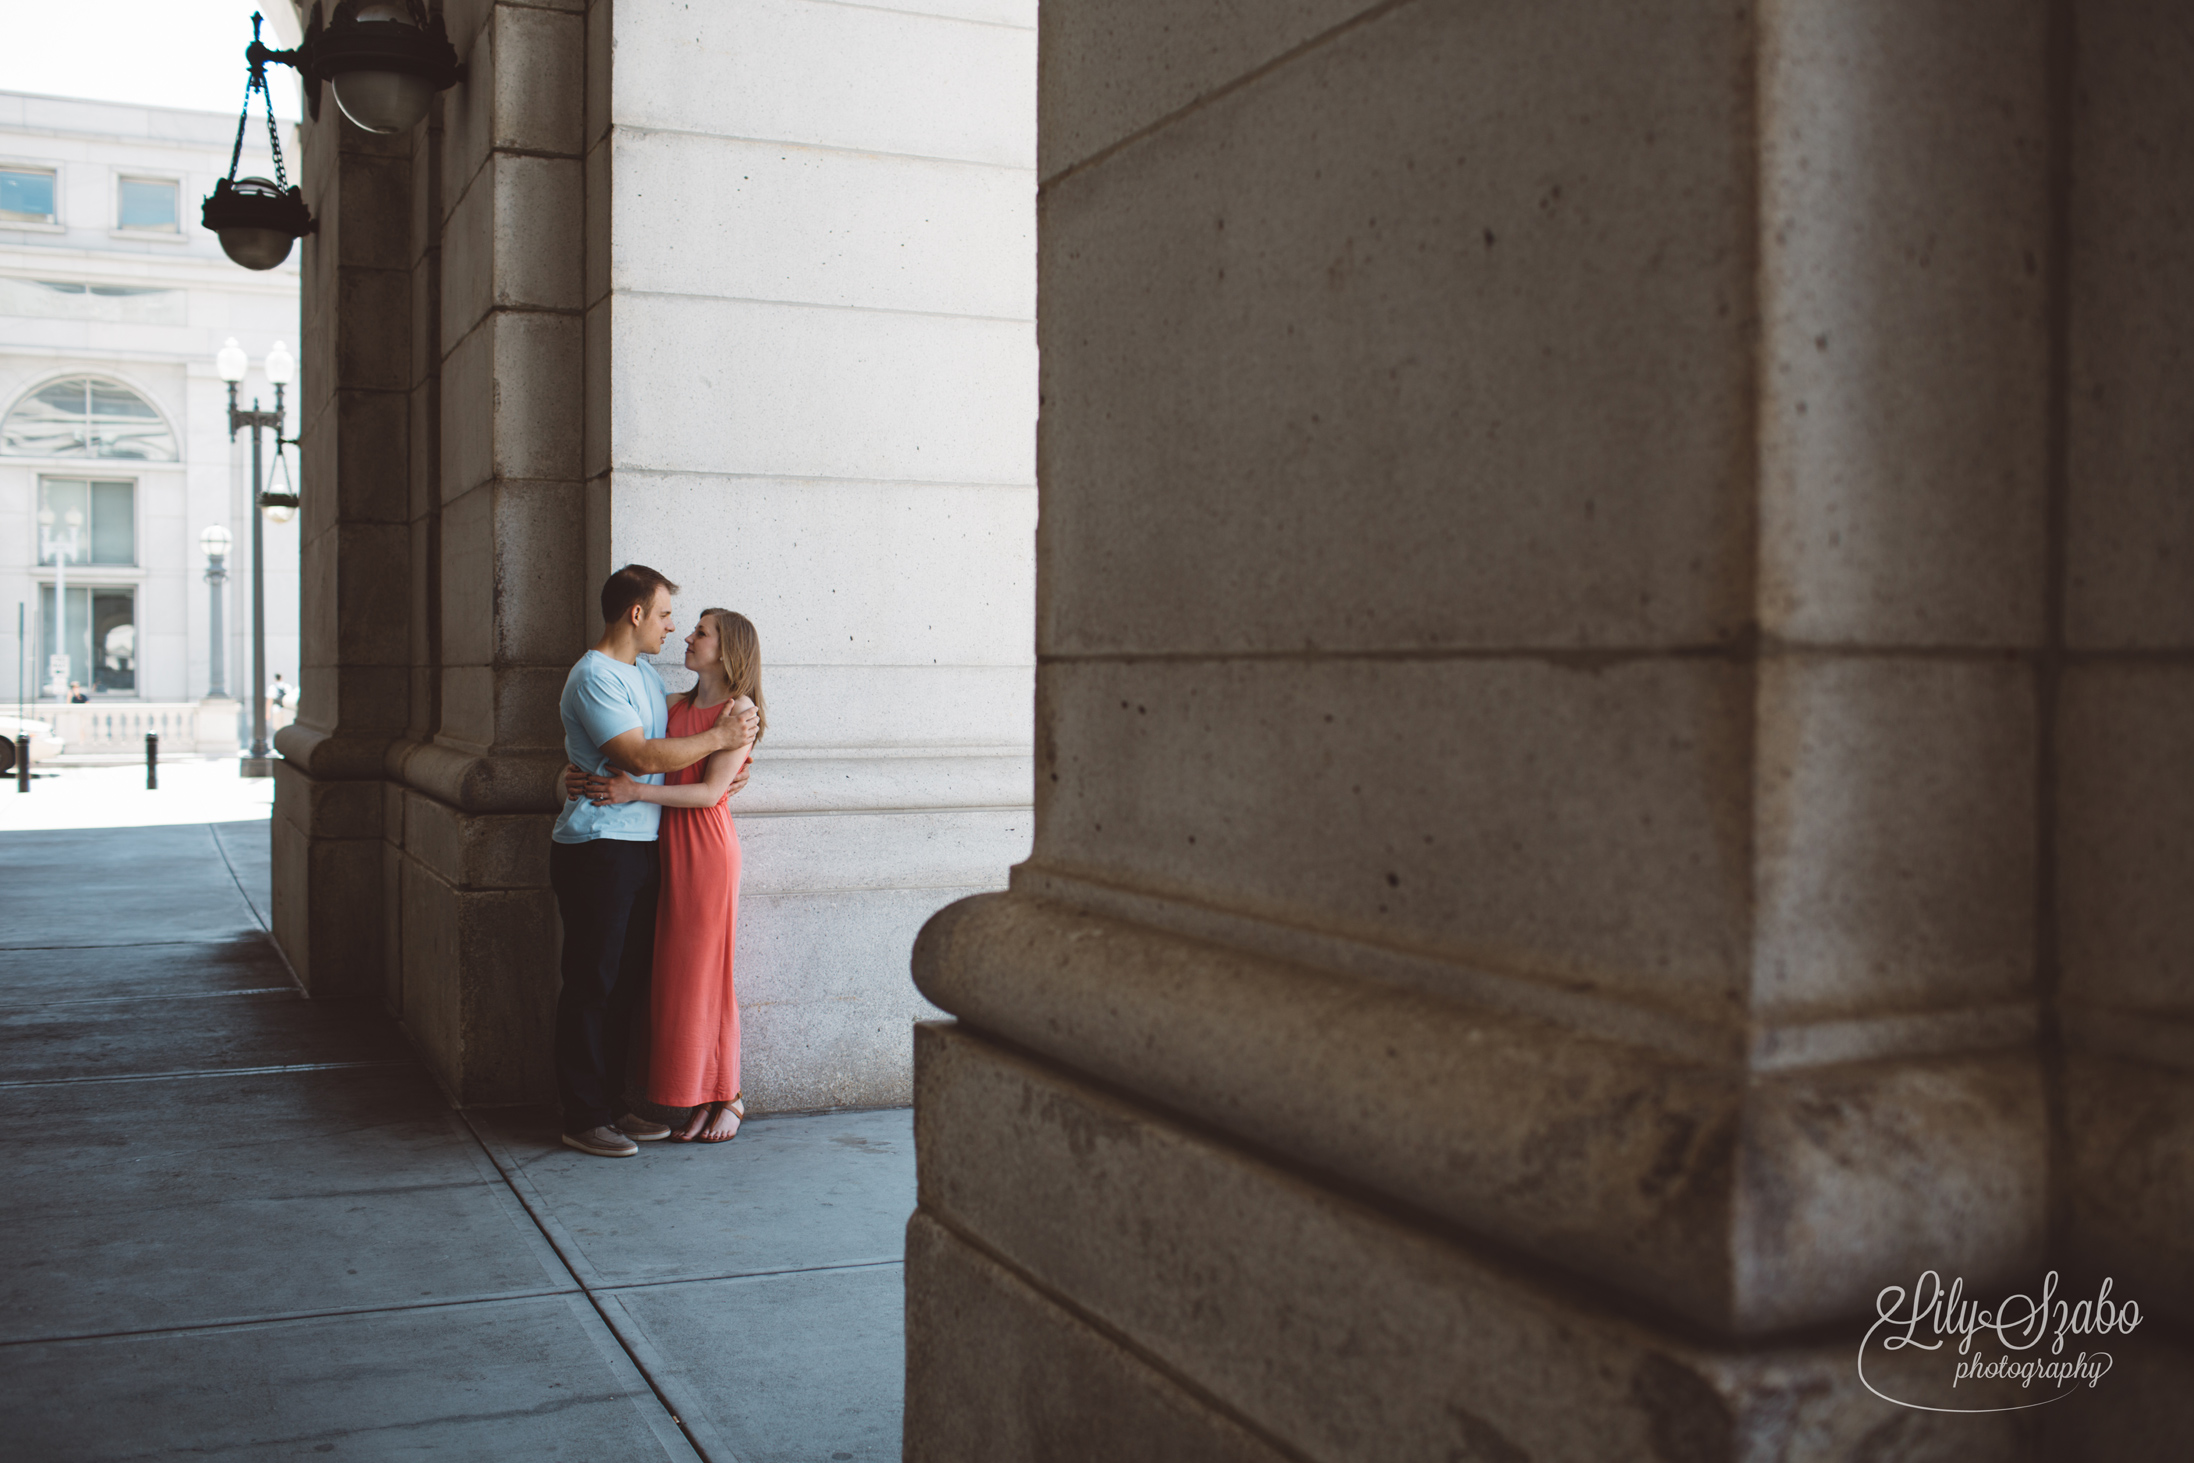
x,y
1744,1202
331,755
1378,1338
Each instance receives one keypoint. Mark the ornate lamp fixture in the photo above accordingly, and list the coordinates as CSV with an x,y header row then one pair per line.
x,y
258,220
385,60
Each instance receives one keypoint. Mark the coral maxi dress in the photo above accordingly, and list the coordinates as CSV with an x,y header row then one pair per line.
x,y
693,1010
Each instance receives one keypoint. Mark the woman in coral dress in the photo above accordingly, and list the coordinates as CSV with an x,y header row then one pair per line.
x,y
693,1008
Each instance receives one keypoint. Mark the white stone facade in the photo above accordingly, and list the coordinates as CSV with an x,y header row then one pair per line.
x,y
146,308
819,310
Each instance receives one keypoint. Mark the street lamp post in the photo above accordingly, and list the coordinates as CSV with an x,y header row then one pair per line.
x,y
215,541
231,363
61,547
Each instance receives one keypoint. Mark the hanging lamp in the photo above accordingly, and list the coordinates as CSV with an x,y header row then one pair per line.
x,y
258,219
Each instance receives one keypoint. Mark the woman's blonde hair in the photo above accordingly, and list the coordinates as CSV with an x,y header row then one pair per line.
x,y
739,651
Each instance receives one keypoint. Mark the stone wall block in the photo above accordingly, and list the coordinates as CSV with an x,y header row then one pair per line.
x,y
536,398
468,258
526,715
2125,811
477,850
373,340
468,707
333,942
511,401
319,630
373,596
902,562
540,79
804,390
504,708
2130,401
371,481
598,204
374,219
595,452
1896,835
539,553
870,79
514,241
329,808
1579,823
1904,155
601,52
423,443
469,555
746,218
372,706
480,986
468,110
1110,70
835,1034
1379,287
1051,1386
2131,1184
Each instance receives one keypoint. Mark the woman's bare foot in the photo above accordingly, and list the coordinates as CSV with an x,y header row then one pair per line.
x,y
723,1122
695,1123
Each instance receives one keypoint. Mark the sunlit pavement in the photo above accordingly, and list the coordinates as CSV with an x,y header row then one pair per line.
x,y
191,790
247,1224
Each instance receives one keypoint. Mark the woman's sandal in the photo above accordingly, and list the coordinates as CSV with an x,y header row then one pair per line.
x,y
737,1108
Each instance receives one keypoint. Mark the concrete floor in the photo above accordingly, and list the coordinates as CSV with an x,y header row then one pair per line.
x,y
245,1224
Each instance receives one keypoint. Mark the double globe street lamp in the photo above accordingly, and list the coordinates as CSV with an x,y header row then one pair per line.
x,y
231,362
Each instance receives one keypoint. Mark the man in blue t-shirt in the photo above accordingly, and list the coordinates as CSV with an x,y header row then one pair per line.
x,y
602,864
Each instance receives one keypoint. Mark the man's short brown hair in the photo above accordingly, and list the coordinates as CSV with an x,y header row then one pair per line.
x,y
635,584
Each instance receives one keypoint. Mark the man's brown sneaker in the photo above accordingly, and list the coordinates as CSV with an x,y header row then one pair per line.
x,y
604,1142
640,1130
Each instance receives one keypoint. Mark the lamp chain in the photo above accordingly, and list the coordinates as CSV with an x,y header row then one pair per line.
x,y
257,82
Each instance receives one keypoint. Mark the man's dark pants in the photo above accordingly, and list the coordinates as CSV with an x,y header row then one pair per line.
x,y
606,890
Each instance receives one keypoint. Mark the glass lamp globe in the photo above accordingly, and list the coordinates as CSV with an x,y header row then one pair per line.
x,y
280,365
45,518
215,541
74,518
230,361
384,102
280,513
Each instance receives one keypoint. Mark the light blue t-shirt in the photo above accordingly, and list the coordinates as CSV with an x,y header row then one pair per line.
x,y
604,697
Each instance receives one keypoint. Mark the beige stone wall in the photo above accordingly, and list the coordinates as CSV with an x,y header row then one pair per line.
x,y
1605,621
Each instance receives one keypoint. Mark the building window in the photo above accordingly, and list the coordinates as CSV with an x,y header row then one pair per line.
x,y
148,204
106,531
26,195
99,637
84,416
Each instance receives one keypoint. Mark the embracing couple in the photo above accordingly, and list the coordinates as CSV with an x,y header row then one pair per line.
x,y
645,866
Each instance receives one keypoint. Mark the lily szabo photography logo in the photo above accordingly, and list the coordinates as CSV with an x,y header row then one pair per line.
x,y
2023,1351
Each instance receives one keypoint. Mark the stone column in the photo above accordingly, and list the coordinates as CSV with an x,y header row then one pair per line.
x,y
498,545
355,615
2124,804
1548,669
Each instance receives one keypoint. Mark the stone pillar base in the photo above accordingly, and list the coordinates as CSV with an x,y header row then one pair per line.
x,y
1088,1278
473,945
327,849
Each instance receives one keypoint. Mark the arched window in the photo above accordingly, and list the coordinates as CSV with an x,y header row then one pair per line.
x,y
85,416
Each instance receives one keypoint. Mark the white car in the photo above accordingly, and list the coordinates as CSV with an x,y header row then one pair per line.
x,y
43,743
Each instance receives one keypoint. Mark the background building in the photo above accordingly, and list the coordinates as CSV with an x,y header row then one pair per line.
x,y
112,303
